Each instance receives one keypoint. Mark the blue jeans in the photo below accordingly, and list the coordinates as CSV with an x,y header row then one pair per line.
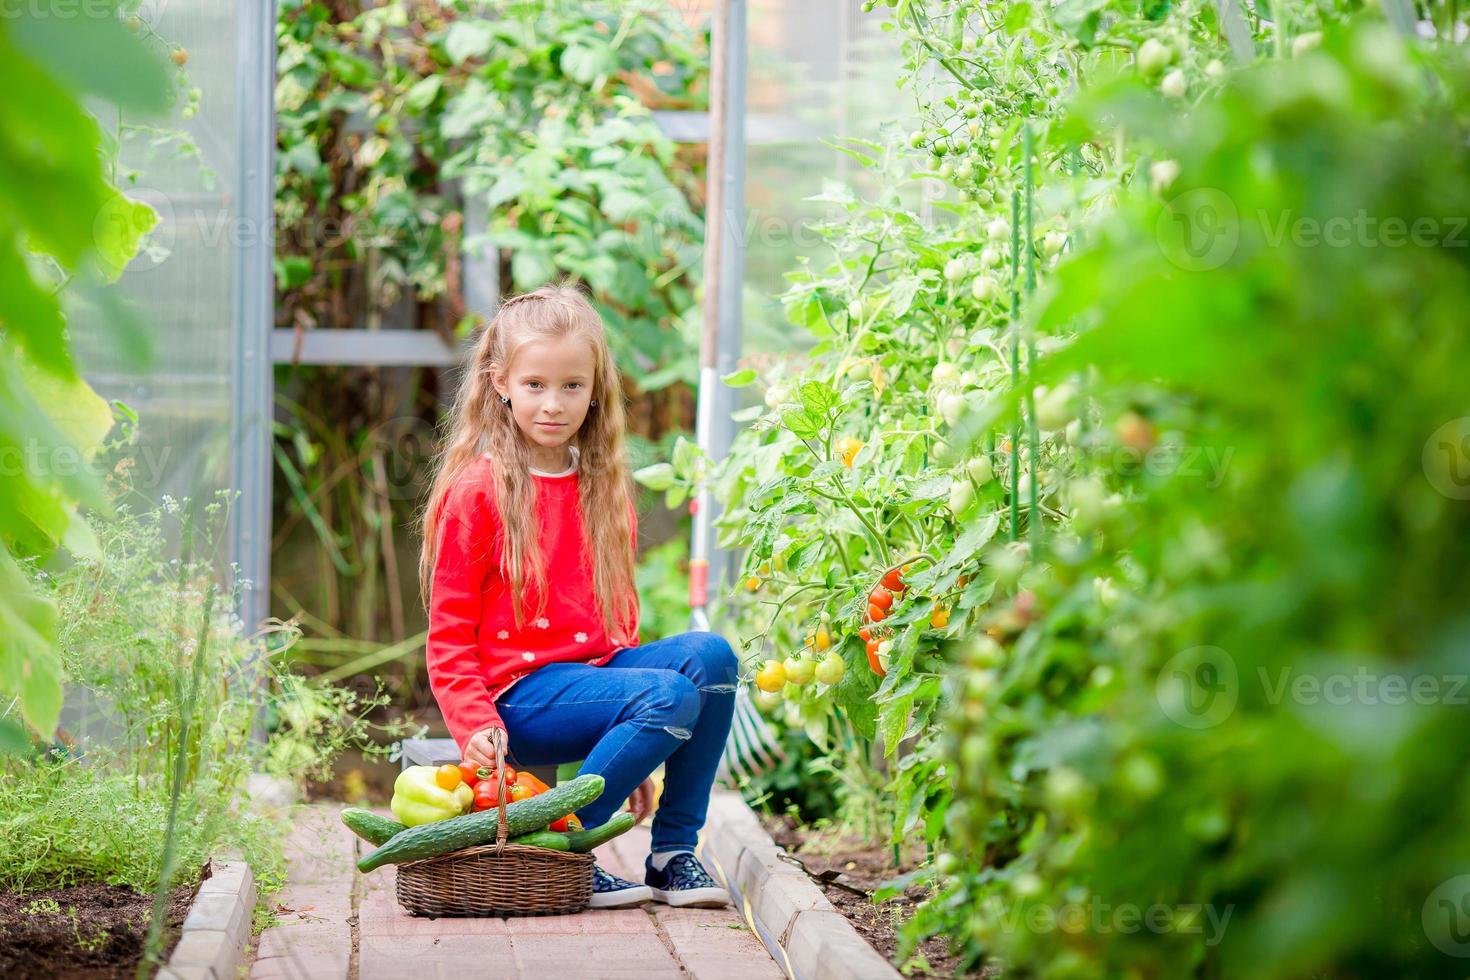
x,y
667,702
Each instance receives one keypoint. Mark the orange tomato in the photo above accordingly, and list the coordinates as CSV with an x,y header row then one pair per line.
x,y
536,786
875,664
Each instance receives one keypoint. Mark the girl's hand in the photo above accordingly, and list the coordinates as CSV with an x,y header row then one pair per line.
x,y
482,746
641,802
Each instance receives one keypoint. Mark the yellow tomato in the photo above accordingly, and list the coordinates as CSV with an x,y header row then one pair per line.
x,y
448,777
847,449
772,677
939,618
822,640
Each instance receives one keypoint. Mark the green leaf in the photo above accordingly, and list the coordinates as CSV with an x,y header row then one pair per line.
x,y
1017,17
468,39
292,271
1079,18
83,416
13,739
740,379
584,61
800,423
29,668
818,398
893,715
95,54
659,476
424,92
31,315
119,232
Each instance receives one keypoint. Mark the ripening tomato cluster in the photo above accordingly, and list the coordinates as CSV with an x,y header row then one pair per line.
x,y
484,780
880,603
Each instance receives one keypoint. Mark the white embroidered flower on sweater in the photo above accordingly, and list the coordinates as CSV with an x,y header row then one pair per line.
x,y
580,637
528,656
502,635
543,622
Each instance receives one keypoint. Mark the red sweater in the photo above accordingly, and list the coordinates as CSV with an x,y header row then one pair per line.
x,y
475,653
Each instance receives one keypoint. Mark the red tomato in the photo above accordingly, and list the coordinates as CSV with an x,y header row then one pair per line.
x,y
567,824
876,614
866,634
470,773
484,799
875,665
520,791
881,598
872,647
893,581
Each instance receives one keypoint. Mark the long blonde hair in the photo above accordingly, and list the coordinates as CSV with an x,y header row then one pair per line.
x,y
481,424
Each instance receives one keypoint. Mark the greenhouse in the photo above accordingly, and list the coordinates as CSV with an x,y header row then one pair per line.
x,y
809,489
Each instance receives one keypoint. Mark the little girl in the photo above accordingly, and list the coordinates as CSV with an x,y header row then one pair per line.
x,y
527,563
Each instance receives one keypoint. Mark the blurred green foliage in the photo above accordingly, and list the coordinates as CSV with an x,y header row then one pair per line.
x,y
63,224
1166,408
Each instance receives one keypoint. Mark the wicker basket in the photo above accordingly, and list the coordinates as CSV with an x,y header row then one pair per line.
x,y
498,878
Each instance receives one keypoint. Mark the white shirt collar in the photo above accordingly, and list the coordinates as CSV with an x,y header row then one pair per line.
x,y
576,456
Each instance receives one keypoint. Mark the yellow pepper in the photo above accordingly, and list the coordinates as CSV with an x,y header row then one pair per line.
x,y
419,799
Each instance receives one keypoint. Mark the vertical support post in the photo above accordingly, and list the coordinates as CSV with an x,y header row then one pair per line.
x,y
724,280
252,380
482,267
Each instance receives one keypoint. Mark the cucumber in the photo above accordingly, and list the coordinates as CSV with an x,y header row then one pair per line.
x,y
371,827
583,841
443,836
549,839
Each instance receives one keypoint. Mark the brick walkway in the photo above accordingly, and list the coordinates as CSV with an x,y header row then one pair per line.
x,y
334,924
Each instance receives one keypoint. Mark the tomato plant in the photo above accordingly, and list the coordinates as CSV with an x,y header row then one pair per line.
x,y
1004,403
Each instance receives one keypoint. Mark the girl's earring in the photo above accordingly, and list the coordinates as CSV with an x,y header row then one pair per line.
x,y
504,400
594,403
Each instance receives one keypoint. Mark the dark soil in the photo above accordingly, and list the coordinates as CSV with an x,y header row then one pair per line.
x,y
84,932
861,866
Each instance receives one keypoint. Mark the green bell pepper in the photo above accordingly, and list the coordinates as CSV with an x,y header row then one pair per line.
x,y
418,799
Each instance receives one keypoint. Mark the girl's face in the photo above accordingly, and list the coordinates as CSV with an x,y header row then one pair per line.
x,y
549,385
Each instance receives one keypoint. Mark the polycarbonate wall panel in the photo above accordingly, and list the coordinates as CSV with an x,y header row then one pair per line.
x,y
181,289
818,70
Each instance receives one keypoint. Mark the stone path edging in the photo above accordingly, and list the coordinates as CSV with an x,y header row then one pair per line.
x,y
806,935
217,928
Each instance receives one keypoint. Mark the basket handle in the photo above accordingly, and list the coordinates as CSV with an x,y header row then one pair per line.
x,y
502,829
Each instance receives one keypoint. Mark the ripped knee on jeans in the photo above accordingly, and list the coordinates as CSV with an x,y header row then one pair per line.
x,y
717,689
683,734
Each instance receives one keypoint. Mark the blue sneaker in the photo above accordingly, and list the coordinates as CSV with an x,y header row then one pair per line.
x,y
611,892
684,883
